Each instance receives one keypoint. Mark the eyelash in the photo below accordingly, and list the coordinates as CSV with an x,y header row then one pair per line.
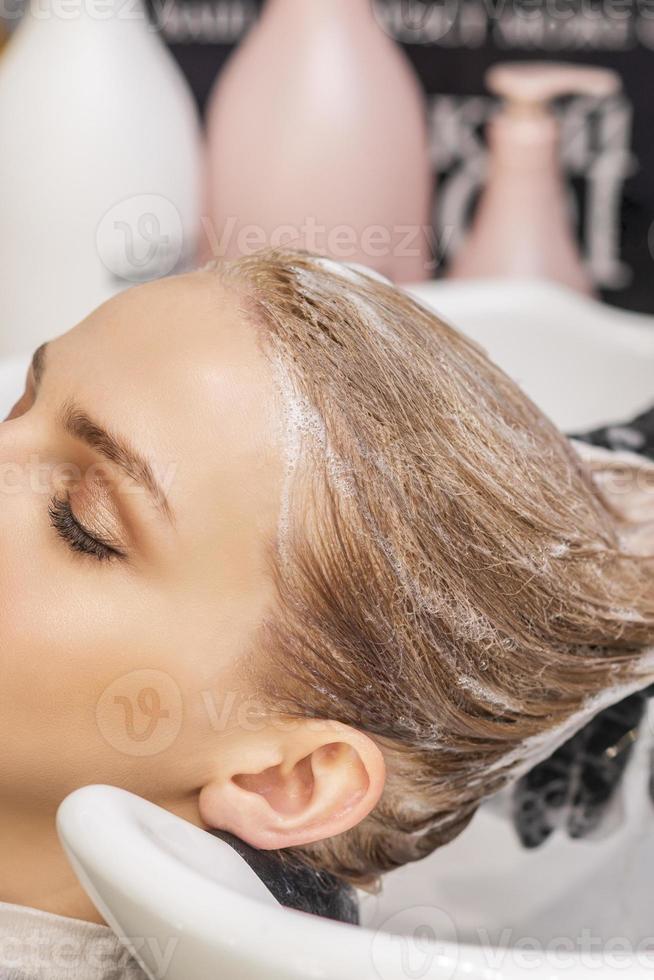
x,y
77,537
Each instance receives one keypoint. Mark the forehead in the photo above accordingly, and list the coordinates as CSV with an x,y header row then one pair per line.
x,y
183,329
177,368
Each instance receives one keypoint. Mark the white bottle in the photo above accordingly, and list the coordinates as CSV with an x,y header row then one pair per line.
x,y
100,157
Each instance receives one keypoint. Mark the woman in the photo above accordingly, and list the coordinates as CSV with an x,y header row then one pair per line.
x,y
289,556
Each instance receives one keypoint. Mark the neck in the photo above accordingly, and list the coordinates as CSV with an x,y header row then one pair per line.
x,y
34,869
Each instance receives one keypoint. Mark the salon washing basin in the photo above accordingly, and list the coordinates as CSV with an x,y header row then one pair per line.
x,y
481,908
188,908
583,362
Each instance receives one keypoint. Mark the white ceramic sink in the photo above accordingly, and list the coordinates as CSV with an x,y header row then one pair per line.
x,y
583,363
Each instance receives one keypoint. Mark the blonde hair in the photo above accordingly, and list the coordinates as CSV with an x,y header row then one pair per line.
x,y
452,577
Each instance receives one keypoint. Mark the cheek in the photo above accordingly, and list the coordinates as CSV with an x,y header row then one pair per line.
x,y
51,678
69,644
96,667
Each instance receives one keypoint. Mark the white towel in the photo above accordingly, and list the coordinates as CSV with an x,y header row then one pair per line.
x,y
36,945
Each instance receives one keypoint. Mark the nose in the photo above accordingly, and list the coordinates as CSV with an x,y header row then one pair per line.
x,y
25,465
14,463
12,382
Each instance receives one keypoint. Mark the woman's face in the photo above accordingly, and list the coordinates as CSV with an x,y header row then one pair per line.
x,y
139,488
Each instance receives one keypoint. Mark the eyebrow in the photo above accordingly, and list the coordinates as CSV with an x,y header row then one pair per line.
x,y
77,423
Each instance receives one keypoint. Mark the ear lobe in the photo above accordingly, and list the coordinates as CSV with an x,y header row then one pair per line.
x,y
317,785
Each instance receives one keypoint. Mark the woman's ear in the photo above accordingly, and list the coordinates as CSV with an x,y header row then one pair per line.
x,y
294,783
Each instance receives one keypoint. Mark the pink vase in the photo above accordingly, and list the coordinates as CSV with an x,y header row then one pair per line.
x,y
317,138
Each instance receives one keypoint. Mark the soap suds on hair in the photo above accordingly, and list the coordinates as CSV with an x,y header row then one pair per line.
x,y
350,270
306,429
303,428
484,693
474,563
353,274
536,748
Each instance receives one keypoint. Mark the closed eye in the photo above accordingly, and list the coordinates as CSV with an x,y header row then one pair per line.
x,y
76,536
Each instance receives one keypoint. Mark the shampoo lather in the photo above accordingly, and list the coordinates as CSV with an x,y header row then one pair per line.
x,y
522,225
318,138
99,169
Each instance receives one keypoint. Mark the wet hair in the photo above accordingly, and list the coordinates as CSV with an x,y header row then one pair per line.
x,y
453,576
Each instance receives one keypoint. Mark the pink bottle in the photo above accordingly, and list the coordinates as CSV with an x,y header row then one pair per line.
x,y
318,138
522,225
